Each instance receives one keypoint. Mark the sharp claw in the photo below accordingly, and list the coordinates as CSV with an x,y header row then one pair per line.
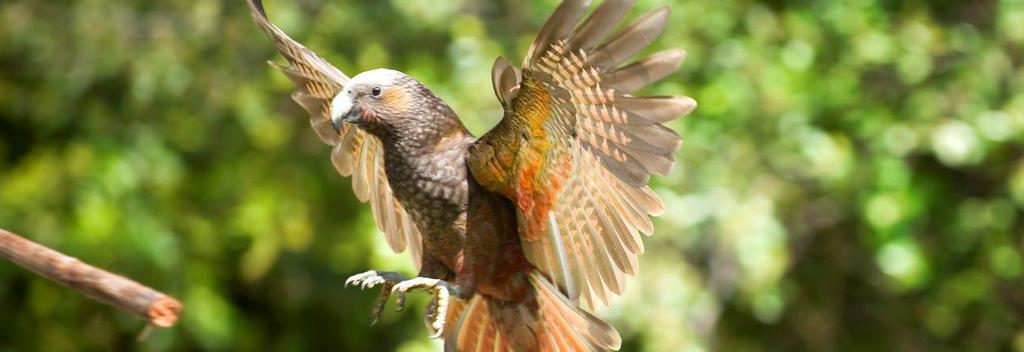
x,y
371,279
437,311
378,309
400,301
437,317
441,314
360,279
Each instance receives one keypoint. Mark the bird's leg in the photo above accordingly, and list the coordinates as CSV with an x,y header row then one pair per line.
x,y
437,310
372,278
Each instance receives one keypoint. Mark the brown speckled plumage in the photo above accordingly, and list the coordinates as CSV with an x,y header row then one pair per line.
x,y
427,172
543,210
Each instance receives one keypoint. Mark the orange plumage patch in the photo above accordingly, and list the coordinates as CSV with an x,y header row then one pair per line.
x,y
396,100
525,190
541,177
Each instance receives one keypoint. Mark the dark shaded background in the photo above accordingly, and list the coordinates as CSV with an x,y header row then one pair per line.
x,y
852,181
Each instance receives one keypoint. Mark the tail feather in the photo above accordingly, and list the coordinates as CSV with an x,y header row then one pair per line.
x,y
572,319
474,331
549,323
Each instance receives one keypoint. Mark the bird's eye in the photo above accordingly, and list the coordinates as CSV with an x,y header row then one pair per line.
x,y
375,91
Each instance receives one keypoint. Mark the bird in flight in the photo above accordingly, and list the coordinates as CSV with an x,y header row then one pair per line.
x,y
516,231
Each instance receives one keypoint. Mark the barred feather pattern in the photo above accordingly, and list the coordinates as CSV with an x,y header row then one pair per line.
x,y
556,324
356,153
475,330
614,140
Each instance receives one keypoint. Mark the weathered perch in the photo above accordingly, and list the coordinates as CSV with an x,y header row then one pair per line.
x,y
158,308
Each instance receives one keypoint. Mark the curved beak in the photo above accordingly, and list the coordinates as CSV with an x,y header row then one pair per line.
x,y
343,110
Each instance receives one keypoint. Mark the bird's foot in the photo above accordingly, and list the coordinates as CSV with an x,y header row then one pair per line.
x,y
434,314
372,278
437,310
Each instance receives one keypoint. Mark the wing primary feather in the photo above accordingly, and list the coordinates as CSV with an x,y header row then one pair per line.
x,y
344,152
338,158
657,109
581,231
653,163
360,185
597,26
544,254
652,139
650,70
649,200
613,233
556,237
389,221
629,170
293,51
599,263
637,36
634,217
414,242
604,262
590,254
609,220
561,22
611,242
584,273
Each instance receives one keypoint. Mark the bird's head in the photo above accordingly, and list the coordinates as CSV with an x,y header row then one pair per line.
x,y
386,101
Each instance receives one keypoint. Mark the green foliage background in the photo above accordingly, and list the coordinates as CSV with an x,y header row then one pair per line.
x,y
852,181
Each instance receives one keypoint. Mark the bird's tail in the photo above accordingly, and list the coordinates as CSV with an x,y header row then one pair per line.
x,y
547,321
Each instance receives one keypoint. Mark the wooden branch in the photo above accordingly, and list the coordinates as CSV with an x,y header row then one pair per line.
x,y
160,309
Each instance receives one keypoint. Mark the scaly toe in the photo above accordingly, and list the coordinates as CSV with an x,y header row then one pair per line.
x,y
399,301
378,309
440,315
419,282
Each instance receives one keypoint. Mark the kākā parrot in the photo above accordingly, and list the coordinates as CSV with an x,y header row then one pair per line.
x,y
511,230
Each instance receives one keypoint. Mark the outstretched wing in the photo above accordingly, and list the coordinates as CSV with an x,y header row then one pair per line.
x,y
356,153
575,149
